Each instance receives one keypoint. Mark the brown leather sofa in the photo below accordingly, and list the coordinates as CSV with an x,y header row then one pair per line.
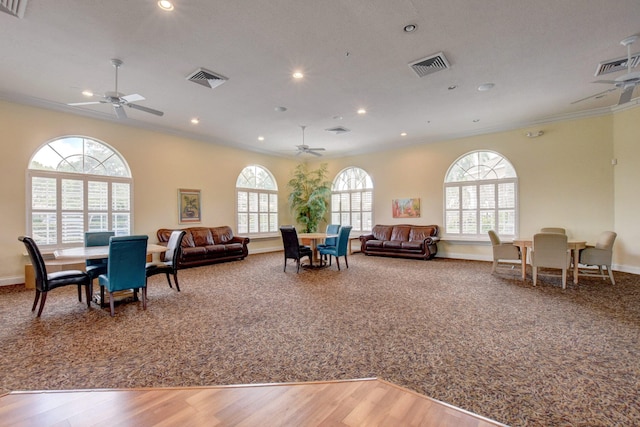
x,y
207,245
403,240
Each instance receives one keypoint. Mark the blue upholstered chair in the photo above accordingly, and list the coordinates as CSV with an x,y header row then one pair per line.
x,y
126,269
330,242
96,267
170,263
341,248
47,281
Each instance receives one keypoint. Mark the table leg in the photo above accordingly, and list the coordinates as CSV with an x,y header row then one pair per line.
x,y
523,251
576,258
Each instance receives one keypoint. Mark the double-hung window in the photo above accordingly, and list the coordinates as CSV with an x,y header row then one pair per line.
x,y
77,184
481,194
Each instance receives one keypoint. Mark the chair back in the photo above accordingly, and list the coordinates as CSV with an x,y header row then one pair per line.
x,y
332,229
174,247
127,261
605,240
343,240
550,250
37,261
97,238
558,230
290,241
495,239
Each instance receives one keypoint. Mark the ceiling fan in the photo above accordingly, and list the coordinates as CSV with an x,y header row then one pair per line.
x,y
305,149
627,82
119,100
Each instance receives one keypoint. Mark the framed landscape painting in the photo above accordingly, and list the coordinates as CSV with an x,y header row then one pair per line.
x,y
405,208
189,205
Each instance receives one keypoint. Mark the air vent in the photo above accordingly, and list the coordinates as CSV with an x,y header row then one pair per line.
x,y
13,7
430,65
619,64
206,78
338,130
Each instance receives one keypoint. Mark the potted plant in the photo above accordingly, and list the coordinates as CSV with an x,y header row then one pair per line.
x,y
309,197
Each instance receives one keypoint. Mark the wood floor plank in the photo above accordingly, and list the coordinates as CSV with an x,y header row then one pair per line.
x,y
368,402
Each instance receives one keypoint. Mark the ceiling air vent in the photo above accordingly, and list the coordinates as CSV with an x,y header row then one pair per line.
x,y
430,64
206,78
338,130
618,64
13,7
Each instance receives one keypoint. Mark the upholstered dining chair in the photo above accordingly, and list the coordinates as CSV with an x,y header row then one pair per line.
x,y
599,255
48,281
126,269
550,250
292,247
169,265
96,267
559,230
341,248
502,251
330,241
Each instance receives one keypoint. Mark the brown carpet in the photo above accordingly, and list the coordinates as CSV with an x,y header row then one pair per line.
x,y
490,344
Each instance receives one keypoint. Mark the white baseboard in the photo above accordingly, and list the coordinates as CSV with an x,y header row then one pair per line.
x,y
15,280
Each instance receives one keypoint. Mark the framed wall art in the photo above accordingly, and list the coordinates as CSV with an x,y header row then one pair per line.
x,y
189,206
405,208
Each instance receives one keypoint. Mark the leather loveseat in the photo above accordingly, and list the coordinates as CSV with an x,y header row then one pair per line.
x,y
403,240
206,245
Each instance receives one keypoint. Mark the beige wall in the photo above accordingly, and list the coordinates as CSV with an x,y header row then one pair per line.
x,y
565,177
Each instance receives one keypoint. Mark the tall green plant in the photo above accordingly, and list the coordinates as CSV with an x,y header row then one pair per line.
x,y
309,197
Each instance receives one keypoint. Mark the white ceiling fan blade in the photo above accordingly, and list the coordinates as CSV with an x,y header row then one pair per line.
x,y
316,149
145,109
609,82
626,95
594,96
120,111
133,97
75,104
314,153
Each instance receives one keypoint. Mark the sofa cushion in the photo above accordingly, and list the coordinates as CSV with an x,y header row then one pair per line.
x,y
374,243
202,236
215,249
382,232
401,232
192,252
222,234
392,244
412,246
187,240
234,247
421,233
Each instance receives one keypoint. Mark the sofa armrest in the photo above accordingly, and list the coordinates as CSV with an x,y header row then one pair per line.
x,y
239,239
431,240
365,237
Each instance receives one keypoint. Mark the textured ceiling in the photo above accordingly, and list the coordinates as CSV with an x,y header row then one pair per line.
x,y
540,54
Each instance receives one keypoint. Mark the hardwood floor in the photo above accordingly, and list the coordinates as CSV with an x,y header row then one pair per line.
x,y
366,402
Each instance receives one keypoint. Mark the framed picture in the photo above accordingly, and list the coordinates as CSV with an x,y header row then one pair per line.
x,y
189,206
405,208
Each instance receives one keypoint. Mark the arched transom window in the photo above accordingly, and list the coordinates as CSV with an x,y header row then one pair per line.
x,y
481,194
352,199
77,184
256,201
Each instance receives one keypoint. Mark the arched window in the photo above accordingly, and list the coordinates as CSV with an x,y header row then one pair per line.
x,y
352,199
481,194
77,184
257,201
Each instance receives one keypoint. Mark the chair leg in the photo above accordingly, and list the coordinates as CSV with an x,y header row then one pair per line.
x,y
534,274
285,264
613,282
80,293
338,262
89,290
102,304
175,279
493,267
111,304
564,278
298,265
169,280
346,261
144,298
43,298
35,301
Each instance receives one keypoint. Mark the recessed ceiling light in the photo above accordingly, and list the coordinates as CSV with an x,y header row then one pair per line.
x,y
452,87
362,111
485,86
261,138
476,120
403,134
87,93
337,117
165,5
280,109
298,75
195,120
410,28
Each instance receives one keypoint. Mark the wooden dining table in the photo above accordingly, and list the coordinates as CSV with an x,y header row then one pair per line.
x,y
314,239
573,245
98,252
